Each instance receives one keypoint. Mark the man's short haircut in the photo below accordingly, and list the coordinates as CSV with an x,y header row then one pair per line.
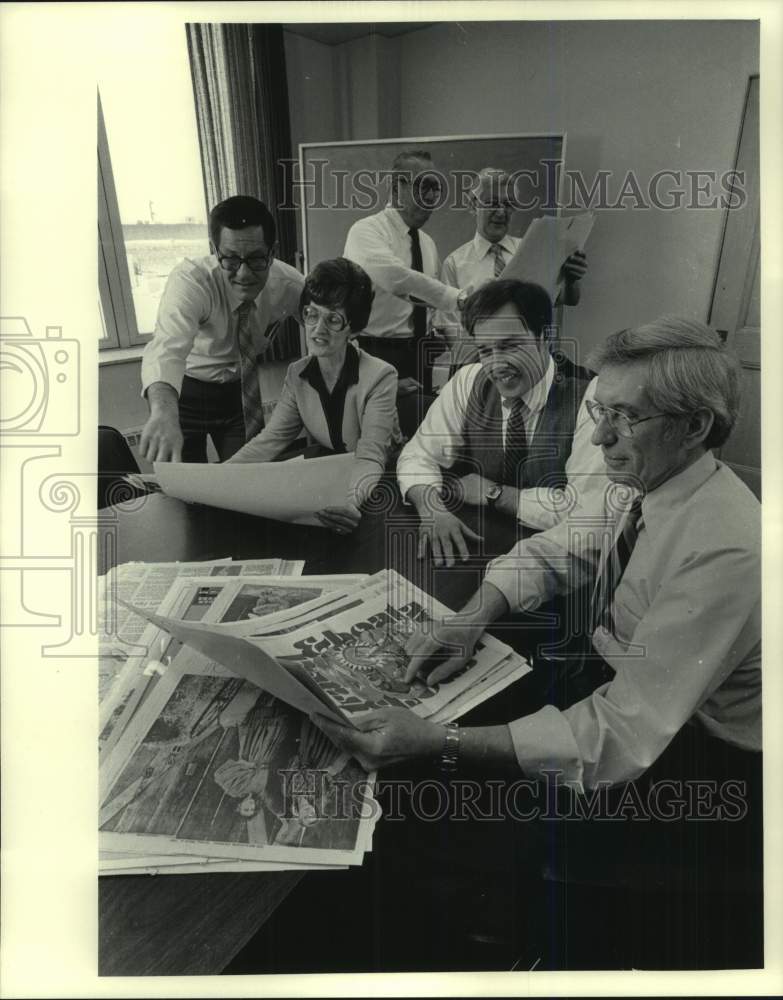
x,y
340,283
239,212
487,174
689,369
531,302
402,166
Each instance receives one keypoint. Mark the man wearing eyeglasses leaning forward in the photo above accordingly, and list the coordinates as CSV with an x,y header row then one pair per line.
x,y
216,318
676,607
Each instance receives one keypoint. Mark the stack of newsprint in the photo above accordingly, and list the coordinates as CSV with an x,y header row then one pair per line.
x,y
209,673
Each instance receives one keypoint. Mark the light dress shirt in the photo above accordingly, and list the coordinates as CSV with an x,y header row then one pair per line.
x,y
441,437
195,332
687,614
381,245
471,266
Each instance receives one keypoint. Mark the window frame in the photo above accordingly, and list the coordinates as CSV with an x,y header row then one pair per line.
x,y
114,287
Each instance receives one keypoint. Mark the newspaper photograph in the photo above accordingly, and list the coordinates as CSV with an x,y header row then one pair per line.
x,y
214,766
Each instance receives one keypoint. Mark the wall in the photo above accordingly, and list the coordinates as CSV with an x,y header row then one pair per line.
x,y
641,96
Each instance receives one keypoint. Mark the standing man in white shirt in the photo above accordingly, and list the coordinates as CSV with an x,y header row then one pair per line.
x,y
484,257
403,263
216,318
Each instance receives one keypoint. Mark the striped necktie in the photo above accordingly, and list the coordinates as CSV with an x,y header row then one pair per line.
x,y
497,252
248,372
515,450
612,569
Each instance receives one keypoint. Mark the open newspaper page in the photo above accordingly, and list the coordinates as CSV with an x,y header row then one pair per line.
x,y
207,598
213,766
347,653
127,641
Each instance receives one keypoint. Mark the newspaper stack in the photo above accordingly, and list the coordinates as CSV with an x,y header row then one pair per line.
x,y
220,766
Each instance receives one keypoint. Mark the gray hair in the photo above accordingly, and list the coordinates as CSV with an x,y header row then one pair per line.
x,y
402,165
487,174
689,369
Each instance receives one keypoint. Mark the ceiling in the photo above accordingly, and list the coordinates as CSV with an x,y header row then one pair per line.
x,y
334,34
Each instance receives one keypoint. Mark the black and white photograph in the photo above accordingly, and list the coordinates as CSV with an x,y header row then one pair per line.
x,y
387,457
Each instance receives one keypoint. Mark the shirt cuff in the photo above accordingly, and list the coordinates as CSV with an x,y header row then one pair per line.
x,y
507,574
170,372
407,481
545,746
541,508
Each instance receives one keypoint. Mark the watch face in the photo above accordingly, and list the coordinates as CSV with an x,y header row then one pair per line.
x,y
493,493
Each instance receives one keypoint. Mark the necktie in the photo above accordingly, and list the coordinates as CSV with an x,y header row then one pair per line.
x,y
612,569
419,312
515,451
248,373
497,252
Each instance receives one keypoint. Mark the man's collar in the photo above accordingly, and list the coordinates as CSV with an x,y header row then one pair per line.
x,y
482,244
393,215
349,374
659,503
536,396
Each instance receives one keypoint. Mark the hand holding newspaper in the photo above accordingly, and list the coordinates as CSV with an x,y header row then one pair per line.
x,y
545,247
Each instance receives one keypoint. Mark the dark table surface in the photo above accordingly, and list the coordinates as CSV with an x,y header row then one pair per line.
x,y
195,924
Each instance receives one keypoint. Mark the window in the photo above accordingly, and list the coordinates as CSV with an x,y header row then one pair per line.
x,y
151,210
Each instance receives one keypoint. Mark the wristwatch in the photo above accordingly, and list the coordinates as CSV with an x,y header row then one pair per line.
x,y
449,755
493,494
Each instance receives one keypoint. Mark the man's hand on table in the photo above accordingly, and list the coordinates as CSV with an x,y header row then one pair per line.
x,y
446,535
161,437
341,520
384,737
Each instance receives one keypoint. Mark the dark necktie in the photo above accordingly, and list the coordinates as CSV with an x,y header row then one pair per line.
x,y
515,450
419,312
612,569
248,373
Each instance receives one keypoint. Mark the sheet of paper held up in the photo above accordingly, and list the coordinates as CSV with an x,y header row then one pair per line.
x,y
283,491
545,247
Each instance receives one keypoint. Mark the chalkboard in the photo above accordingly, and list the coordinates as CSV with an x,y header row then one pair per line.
x,y
343,181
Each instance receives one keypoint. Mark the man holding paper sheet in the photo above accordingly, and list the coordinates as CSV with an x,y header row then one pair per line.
x,y
511,429
216,319
486,256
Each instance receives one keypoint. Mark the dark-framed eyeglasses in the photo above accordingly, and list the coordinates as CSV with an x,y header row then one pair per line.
x,y
620,422
334,321
257,262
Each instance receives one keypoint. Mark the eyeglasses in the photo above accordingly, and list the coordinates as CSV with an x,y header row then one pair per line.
x,y
258,263
334,322
619,422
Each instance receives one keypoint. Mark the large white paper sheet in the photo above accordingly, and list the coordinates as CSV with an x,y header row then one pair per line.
x,y
545,246
283,491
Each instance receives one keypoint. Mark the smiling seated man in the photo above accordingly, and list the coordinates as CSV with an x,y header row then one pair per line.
x,y
675,732
512,428
216,317
344,398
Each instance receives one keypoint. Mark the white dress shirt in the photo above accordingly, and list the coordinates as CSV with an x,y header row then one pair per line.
x,y
381,245
471,266
441,437
687,615
195,332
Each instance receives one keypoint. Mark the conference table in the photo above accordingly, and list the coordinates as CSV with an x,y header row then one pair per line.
x,y
195,924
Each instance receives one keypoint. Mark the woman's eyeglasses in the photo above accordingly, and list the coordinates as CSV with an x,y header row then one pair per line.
x,y
334,322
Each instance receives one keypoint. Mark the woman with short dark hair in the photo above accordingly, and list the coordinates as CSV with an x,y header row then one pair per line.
x,y
344,398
